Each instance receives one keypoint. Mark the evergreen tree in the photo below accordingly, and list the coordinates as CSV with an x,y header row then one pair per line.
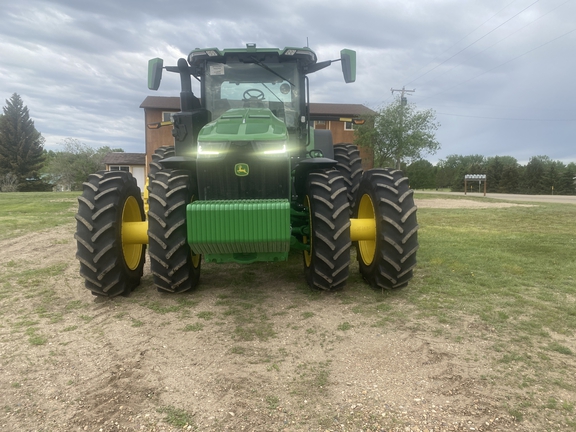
x,y
533,182
422,174
21,145
509,181
551,179
505,175
452,170
568,180
502,174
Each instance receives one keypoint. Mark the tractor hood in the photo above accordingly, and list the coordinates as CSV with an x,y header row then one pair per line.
x,y
245,124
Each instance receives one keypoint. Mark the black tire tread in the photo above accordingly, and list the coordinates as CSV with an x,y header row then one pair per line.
x,y
349,163
98,237
397,229
170,254
330,231
159,154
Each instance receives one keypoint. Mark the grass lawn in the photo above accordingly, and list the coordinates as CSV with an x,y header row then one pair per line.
x,y
24,212
511,271
498,278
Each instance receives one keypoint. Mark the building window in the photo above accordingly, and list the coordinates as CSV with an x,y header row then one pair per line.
x,y
349,126
320,123
119,168
167,116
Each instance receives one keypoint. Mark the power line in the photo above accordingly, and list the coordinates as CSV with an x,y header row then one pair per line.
x,y
461,39
507,118
512,107
473,43
502,64
503,39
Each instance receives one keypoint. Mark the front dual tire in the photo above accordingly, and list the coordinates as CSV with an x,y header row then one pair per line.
x,y
175,268
109,265
326,263
388,259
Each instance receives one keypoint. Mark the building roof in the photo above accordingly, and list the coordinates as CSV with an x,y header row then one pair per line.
x,y
120,158
336,109
169,103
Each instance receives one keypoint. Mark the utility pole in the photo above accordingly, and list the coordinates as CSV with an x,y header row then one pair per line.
x,y
403,103
403,99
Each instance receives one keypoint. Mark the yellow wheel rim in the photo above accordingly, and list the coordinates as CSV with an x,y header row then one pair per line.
x,y
367,248
305,239
132,252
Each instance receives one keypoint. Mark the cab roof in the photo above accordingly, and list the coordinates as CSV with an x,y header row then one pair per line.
x,y
199,55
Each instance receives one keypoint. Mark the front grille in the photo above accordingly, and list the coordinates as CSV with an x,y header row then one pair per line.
x,y
268,177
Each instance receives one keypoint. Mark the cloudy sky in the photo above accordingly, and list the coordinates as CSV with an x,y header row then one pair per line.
x,y
500,74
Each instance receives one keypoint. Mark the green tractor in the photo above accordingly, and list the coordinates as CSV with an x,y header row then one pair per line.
x,y
248,179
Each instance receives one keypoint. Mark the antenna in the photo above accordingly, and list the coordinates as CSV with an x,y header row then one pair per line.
x,y
307,46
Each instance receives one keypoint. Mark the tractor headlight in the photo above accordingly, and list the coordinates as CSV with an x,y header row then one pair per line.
x,y
271,148
212,149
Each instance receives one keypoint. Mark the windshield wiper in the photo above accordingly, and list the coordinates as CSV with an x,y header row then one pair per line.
x,y
264,66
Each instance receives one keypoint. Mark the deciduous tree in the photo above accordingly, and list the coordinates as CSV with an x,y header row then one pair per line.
x,y
399,133
71,167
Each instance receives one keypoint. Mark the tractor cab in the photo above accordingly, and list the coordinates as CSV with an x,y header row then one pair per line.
x,y
236,82
237,85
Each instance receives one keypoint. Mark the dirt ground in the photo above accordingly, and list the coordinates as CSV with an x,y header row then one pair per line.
x,y
249,350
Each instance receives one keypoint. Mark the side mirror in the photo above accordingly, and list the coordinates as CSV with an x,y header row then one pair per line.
x,y
348,59
155,73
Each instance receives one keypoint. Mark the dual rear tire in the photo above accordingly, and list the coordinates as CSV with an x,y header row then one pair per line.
x,y
326,263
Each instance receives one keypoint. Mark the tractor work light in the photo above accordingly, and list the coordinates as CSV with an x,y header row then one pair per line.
x,y
277,151
292,51
209,53
212,149
270,148
198,55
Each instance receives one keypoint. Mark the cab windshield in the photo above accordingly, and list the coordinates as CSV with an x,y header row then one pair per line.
x,y
250,85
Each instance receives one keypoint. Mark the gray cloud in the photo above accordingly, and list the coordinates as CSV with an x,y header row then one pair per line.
x,y
81,66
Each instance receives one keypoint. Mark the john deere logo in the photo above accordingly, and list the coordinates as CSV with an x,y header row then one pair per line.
x,y
241,169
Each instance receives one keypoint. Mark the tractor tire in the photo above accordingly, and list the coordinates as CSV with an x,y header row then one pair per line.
x,y
155,166
388,261
326,264
174,267
349,163
108,266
